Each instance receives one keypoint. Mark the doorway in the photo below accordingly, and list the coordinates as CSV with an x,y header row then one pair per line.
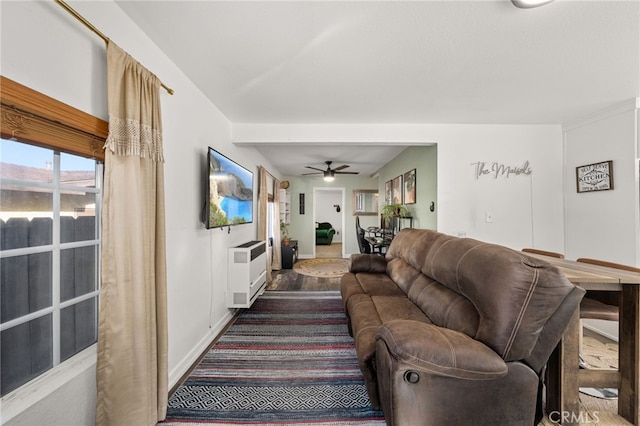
x,y
328,207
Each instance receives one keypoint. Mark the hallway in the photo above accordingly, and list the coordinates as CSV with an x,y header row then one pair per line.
x,y
289,279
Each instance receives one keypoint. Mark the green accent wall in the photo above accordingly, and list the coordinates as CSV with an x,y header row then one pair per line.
x,y
425,160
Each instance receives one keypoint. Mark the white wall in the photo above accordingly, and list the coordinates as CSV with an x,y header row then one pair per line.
x,y
527,210
604,224
325,212
46,49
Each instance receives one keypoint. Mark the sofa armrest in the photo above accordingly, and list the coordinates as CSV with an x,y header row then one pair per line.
x,y
435,350
364,262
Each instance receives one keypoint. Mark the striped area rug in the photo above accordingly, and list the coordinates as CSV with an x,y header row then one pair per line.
x,y
288,360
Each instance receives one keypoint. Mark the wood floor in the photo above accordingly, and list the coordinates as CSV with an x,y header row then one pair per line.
x,y
333,250
290,280
594,411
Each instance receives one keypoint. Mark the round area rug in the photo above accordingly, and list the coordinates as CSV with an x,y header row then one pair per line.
x,y
322,268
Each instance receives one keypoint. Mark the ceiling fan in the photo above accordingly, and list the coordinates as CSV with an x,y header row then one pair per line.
x,y
330,173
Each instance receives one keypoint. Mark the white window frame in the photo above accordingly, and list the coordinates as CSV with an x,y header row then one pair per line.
x,y
30,393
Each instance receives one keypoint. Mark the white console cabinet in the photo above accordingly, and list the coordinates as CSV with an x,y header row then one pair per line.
x,y
247,273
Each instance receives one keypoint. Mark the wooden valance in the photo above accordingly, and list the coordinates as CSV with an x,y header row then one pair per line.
x,y
30,116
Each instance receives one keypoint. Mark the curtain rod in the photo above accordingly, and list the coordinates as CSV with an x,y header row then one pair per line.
x,y
269,173
89,25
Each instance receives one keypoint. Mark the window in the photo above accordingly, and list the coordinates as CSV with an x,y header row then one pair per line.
x,y
50,197
49,248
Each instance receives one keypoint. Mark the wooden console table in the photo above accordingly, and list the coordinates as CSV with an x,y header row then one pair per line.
x,y
564,377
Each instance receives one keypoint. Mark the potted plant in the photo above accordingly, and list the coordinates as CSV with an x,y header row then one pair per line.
x,y
284,231
394,210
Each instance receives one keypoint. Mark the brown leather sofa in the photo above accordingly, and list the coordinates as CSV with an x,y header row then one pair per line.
x,y
454,331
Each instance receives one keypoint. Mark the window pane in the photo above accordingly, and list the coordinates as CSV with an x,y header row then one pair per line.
x,y
25,352
78,327
27,218
77,272
25,285
78,217
21,161
77,171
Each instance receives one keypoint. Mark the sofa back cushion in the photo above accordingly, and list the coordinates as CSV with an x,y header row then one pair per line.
x,y
499,296
444,307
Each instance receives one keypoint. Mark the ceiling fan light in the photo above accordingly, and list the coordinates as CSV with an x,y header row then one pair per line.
x,y
528,4
329,176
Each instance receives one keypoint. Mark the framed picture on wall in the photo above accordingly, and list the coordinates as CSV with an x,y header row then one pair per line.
x,y
388,192
410,187
595,177
396,197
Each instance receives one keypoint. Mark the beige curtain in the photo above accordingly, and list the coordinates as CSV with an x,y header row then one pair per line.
x,y
132,371
263,203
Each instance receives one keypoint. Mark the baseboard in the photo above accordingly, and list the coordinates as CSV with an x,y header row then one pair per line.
x,y
187,363
600,331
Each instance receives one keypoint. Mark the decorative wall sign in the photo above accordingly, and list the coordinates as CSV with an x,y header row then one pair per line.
x,y
595,177
496,169
301,203
410,187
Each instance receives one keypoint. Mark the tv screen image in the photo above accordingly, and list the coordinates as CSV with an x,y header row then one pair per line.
x,y
230,192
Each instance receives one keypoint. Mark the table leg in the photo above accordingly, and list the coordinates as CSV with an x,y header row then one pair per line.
x,y
629,354
562,405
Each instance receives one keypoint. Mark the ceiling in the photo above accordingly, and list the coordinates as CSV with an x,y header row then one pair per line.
x,y
482,61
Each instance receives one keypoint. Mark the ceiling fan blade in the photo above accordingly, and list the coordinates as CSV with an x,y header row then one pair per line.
x,y
314,168
313,173
341,167
347,173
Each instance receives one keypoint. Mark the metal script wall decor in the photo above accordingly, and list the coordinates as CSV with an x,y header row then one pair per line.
x,y
497,170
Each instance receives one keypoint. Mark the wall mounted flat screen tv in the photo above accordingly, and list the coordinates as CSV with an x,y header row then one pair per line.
x,y
229,192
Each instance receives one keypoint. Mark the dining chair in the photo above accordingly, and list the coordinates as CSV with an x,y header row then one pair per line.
x,y
601,305
544,253
363,244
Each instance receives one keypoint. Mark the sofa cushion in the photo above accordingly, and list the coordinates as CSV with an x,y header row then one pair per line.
x,y
365,322
412,246
368,283
440,351
367,313
367,263
394,308
402,273
444,307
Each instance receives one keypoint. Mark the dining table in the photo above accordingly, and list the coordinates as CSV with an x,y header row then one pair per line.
x,y
564,377
379,239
